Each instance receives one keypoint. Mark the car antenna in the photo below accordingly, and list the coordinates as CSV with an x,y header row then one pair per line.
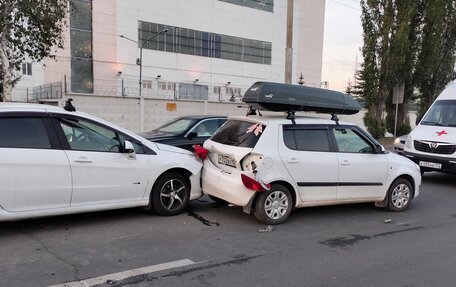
x,y
334,118
68,106
291,116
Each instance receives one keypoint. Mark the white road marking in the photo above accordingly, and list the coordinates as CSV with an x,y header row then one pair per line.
x,y
126,274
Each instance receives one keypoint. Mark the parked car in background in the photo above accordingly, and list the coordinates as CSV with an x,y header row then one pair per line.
x,y
398,145
54,162
432,143
184,132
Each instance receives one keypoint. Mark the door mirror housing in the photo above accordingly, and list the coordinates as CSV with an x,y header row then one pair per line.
x,y
128,147
418,119
191,135
379,149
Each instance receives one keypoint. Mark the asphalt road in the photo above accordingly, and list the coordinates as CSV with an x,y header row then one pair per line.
x,y
349,245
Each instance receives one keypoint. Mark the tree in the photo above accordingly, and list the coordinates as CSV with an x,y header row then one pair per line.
x,y
405,41
29,30
437,56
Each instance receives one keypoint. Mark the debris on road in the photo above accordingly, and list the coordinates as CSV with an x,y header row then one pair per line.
x,y
388,221
267,228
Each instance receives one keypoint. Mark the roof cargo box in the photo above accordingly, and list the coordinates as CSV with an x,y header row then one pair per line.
x,y
279,97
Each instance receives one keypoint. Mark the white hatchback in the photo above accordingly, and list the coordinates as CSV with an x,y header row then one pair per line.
x,y
271,165
56,162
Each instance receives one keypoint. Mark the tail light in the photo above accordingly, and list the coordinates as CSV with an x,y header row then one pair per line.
x,y
200,151
251,183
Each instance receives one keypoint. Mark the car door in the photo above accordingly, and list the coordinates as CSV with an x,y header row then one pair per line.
x,y
101,173
362,171
34,171
306,153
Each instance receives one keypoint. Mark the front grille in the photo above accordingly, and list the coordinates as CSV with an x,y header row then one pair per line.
x,y
434,147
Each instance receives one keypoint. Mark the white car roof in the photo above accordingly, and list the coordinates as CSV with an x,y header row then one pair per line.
x,y
281,119
26,107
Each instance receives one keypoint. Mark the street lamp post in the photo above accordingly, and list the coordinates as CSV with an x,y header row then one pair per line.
x,y
139,62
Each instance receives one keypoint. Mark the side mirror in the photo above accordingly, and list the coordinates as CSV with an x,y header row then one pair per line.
x,y
191,135
379,149
128,148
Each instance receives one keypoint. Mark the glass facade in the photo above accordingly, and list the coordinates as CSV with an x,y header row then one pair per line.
x,y
205,44
266,5
81,46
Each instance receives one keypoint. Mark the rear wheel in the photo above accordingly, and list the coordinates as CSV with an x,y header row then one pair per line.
x,y
399,195
170,194
274,206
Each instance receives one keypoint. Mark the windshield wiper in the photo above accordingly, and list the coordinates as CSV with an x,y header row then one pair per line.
x,y
431,123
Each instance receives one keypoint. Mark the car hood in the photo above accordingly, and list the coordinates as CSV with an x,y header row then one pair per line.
x,y
169,148
157,135
434,133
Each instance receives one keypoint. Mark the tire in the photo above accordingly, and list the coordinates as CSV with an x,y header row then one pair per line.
x,y
400,195
273,206
170,194
217,200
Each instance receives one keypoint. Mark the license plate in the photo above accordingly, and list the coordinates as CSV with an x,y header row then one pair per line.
x,y
226,160
431,164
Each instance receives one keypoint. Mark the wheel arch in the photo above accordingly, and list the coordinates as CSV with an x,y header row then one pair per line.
x,y
281,182
185,172
410,179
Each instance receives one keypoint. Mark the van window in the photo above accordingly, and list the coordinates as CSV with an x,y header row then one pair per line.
x,y
239,133
442,113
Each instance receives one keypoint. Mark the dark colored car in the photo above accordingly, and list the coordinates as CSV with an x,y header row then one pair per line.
x,y
184,132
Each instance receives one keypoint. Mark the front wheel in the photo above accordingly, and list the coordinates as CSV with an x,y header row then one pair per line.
x,y
170,194
274,206
399,195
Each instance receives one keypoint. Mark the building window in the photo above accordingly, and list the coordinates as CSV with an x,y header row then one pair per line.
x,y
217,89
81,46
27,69
266,5
147,84
199,43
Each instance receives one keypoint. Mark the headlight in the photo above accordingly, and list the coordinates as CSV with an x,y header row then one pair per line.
x,y
397,141
408,143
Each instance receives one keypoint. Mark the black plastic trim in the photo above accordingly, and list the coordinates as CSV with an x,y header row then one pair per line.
x,y
340,184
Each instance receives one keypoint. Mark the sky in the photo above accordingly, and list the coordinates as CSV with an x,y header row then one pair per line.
x,y
342,42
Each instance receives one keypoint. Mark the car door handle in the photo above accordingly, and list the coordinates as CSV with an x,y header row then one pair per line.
x,y
83,159
345,162
293,160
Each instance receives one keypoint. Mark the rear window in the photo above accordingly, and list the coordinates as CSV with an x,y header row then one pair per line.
x,y
239,133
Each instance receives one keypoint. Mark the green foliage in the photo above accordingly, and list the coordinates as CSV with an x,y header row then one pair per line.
x,y
436,59
410,42
374,126
29,30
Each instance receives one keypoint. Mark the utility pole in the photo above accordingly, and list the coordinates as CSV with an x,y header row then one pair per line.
x,y
289,43
139,63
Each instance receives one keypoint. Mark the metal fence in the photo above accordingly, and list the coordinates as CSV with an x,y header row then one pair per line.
x,y
35,94
127,87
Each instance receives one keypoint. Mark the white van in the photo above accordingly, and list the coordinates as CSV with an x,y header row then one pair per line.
x,y
432,144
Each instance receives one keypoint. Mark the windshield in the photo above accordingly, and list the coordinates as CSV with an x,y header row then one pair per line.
x,y
442,113
177,126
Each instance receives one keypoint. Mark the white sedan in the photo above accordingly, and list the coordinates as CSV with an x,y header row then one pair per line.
x,y
54,161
